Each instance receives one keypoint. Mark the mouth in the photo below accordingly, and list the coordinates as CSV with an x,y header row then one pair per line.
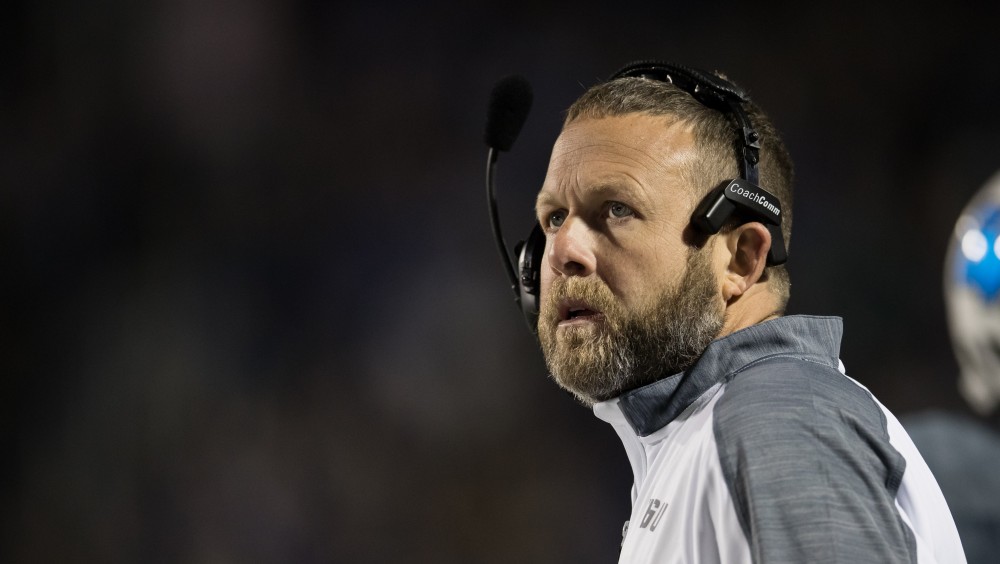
x,y
572,312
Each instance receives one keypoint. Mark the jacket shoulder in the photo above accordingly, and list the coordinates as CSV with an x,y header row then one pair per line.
x,y
806,456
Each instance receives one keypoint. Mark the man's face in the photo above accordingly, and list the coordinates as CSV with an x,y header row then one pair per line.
x,y
624,301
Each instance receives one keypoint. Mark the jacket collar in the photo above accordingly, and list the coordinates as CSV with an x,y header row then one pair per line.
x,y
652,407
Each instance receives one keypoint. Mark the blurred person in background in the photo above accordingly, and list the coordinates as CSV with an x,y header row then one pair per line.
x,y
661,306
963,450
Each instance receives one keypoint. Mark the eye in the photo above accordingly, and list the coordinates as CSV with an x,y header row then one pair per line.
x,y
557,218
619,210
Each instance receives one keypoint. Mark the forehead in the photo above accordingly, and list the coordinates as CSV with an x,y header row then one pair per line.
x,y
639,150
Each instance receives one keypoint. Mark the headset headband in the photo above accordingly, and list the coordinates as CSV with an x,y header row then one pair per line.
x,y
712,91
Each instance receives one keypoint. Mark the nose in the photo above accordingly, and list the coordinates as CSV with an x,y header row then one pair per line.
x,y
571,252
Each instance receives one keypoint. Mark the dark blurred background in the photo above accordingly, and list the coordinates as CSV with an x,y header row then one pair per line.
x,y
251,308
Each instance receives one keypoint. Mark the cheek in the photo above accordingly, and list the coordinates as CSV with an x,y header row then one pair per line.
x,y
546,276
644,277
632,286
545,273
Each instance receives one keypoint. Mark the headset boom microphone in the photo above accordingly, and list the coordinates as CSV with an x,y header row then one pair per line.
x,y
510,103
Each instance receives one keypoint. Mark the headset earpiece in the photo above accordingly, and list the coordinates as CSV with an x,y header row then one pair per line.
x,y
530,254
749,201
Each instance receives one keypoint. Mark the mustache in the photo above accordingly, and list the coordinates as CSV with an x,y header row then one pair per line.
x,y
591,291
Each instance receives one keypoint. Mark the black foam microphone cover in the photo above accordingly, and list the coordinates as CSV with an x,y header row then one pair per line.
x,y
510,103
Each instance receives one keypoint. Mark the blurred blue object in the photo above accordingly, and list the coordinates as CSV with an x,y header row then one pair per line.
x,y
971,292
978,263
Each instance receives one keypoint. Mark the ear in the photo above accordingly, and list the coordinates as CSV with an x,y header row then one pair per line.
x,y
748,245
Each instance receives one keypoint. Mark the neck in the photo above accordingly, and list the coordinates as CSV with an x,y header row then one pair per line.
x,y
753,307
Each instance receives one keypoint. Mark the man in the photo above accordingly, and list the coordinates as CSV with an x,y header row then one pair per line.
x,y
747,441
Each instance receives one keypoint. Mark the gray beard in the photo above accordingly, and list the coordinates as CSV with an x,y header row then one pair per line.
x,y
631,349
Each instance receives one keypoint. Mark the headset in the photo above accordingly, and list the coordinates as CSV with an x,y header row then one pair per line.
x,y
740,196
